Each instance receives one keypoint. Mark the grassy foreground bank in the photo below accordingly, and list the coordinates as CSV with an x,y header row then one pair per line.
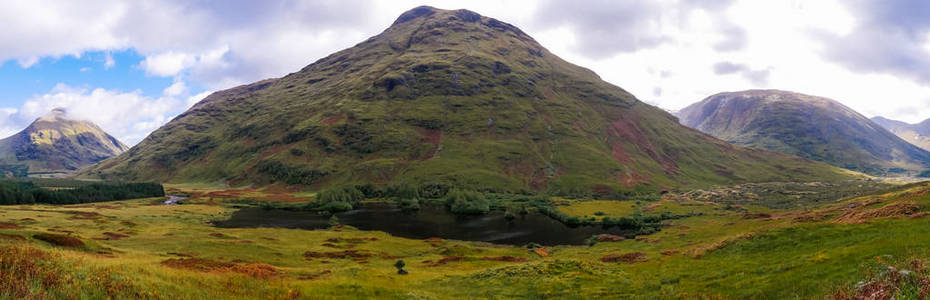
x,y
142,249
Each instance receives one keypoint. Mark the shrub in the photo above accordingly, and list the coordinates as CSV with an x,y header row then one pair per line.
x,y
400,264
403,191
467,202
434,190
347,194
337,206
409,204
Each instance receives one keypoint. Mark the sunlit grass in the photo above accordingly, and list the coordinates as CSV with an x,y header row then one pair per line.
x,y
716,253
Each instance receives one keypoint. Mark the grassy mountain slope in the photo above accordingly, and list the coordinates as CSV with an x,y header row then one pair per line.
x,y
917,134
56,143
812,127
444,97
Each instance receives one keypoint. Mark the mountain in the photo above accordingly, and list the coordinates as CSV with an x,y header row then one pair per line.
x,y
447,97
811,127
54,143
917,134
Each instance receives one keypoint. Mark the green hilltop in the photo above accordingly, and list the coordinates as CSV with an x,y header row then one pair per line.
x,y
445,97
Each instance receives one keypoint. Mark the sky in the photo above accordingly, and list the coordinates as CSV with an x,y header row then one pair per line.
x,y
131,66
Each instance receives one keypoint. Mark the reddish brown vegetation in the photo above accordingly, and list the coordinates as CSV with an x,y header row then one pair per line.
x,y
19,267
885,284
609,238
59,239
671,252
114,235
756,216
628,131
542,252
632,257
505,259
432,137
445,260
897,209
28,273
700,251
619,153
647,240
434,241
652,207
919,215
255,270
85,215
539,181
5,225
271,193
353,254
11,237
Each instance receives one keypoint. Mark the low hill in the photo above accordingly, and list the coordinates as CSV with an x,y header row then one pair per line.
x,y
808,126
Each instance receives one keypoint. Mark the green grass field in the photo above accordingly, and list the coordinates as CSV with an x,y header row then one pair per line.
x,y
140,249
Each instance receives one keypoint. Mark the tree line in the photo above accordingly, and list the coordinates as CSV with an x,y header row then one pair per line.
x,y
25,192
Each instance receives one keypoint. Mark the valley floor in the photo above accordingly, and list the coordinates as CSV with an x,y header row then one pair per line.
x,y
144,249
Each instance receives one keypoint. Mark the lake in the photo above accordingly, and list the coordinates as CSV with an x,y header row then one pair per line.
x,y
430,221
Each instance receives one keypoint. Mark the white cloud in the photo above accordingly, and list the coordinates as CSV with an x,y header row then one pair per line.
x,y
28,61
167,64
108,61
176,88
196,98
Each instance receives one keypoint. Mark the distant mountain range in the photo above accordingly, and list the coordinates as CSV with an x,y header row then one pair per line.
x,y
56,143
917,134
808,126
445,98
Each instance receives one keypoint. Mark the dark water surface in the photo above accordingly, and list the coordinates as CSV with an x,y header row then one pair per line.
x,y
430,221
